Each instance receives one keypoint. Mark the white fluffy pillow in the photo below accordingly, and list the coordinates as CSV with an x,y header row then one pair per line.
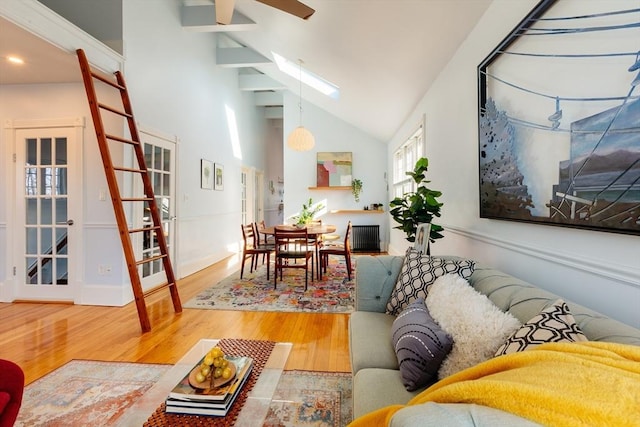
x,y
478,327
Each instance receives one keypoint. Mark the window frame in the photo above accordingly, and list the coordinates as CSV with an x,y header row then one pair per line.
x,y
404,160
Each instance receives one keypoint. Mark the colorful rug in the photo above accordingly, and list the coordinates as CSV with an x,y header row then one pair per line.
x,y
93,393
305,398
333,294
86,393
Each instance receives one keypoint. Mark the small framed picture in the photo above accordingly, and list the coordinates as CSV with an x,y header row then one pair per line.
x,y
206,174
218,182
422,238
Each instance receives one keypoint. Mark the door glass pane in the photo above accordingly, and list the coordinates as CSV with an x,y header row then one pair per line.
x,y
32,240
166,179
164,208
61,271
45,181
148,154
61,210
46,271
61,151
46,240
61,241
46,213
61,181
166,159
31,211
157,183
32,151
31,181
45,151
32,270
157,158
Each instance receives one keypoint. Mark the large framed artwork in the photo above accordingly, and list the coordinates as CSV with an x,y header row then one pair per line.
x,y
333,169
559,118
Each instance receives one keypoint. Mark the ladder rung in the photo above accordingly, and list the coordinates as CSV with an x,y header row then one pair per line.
x,y
138,230
153,258
113,110
158,288
120,168
107,81
126,141
136,199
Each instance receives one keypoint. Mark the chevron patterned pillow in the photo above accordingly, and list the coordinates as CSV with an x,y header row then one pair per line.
x,y
553,324
418,273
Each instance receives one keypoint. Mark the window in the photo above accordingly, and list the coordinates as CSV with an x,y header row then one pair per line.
x,y
404,159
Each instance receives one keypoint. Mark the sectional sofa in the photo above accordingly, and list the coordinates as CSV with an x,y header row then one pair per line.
x,y
377,382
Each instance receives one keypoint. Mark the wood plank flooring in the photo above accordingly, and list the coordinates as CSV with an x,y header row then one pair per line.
x,y
42,337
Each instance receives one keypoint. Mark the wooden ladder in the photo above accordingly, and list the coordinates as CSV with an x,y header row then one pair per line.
x,y
88,76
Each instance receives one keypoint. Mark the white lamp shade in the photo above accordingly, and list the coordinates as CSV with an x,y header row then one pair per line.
x,y
301,139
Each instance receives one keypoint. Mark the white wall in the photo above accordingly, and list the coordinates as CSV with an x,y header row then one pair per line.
x,y
596,269
177,88
333,134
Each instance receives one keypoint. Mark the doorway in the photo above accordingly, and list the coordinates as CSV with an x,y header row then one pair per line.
x,y
48,158
160,158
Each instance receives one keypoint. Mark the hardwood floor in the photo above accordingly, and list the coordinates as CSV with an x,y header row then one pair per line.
x,y
43,337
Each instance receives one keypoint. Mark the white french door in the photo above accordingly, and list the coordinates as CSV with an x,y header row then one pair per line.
x,y
46,209
160,158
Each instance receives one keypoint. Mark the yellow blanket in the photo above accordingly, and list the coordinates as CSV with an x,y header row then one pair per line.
x,y
555,384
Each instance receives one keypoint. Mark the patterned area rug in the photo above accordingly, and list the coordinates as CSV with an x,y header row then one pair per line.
x,y
92,393
305,398
86,393
333,294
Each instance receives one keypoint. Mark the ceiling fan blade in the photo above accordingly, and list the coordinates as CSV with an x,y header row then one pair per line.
x,y
293,7
224,11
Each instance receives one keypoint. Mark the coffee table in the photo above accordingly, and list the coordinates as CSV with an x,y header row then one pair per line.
x,y
255,407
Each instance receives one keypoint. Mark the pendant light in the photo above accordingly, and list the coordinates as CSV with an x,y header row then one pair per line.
x,y
301,139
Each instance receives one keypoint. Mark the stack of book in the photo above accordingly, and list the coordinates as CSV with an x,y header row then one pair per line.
x,y
185,399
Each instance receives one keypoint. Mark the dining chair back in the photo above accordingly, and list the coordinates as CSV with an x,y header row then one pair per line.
x,y
251,248
292,247
339,249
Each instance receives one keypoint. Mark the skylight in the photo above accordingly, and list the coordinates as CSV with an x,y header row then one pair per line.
x,y
298,72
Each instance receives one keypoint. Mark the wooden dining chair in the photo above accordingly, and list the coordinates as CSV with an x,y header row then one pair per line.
x,y
263,239
337,248
291,247
251,248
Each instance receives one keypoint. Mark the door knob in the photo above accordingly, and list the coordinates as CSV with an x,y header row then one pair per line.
x,y
68,222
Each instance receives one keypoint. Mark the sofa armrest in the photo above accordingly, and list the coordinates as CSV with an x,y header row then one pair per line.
x,y
375,279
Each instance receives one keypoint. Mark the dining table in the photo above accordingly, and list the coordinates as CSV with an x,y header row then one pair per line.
x,y
314,231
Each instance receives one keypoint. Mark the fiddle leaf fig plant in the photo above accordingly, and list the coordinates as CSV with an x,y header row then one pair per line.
x,y
417,207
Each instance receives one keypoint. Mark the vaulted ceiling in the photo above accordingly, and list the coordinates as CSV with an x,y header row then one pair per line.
x,y
383,54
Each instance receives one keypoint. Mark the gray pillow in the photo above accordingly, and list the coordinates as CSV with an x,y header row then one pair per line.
x,y
420,345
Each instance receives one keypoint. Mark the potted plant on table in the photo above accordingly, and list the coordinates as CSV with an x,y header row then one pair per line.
x,y
421,206
309,210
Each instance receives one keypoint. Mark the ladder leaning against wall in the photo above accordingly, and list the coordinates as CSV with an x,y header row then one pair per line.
x,y
104,139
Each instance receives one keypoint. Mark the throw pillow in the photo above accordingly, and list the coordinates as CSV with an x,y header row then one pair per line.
x,y
553,324
420,345
418,272
476,325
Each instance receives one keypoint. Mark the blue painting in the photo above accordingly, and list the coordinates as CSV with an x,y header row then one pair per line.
x,y
559,118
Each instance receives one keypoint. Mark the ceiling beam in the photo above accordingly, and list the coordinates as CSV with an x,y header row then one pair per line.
x,y
258,82
273,112
268,99
203,18
236,57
